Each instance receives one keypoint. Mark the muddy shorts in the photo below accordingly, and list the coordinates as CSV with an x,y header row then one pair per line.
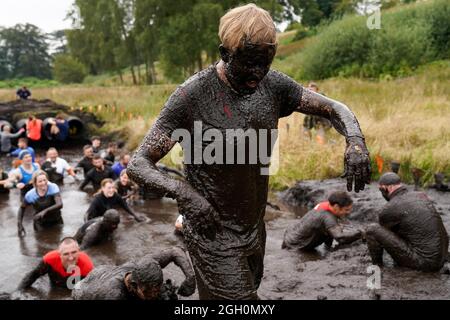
x,y
232,274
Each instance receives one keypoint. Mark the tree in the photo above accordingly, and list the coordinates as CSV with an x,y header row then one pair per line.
x,y
24,53
67,69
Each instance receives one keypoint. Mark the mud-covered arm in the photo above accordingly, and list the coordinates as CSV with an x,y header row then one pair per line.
x,y
41,269
85,182
356,159
344,237
200,215
57,206
125,207
89,237
178,256
20,229
390,217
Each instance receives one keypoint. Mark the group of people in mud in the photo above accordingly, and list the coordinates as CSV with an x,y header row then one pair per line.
x,y
39,185
409,228
223,204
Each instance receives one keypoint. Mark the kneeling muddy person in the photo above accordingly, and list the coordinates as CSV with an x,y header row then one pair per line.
x,y
46,200
63,266
137,280
410,229
98,230
321,225
224,203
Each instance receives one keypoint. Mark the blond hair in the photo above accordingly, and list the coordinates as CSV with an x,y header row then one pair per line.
x,y
246,23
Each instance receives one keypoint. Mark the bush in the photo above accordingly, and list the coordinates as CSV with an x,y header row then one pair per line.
x,y
67,69
409,37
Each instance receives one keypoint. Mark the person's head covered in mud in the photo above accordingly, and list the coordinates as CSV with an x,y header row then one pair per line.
x,y
389,182
249,44
146,280
341,203
111,220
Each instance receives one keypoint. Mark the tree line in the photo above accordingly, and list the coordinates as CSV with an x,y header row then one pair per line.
x,y
115,35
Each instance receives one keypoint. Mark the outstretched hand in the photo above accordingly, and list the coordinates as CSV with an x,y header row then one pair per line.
x,y
356,164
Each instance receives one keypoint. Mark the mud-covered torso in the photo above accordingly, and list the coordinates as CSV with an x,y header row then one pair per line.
x,y
311,231
413,217
236,189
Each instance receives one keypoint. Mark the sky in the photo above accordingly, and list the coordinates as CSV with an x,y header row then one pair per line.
x,y
48,15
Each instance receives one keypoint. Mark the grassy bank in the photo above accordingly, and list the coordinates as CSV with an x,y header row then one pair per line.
x,y
404,119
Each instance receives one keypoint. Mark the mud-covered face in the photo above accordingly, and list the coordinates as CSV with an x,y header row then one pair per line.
x,y
384,192
148,292
246,67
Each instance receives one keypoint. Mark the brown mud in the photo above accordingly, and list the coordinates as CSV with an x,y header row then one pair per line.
x,y
336,274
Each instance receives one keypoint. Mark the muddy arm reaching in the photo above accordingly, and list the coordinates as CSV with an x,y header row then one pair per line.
x,y
344,237
41,269
142,169
57,206
20,229
356,160
125,207
177,256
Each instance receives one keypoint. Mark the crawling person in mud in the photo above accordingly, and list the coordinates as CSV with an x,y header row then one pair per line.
x,y
410,229
46,200
223,201
105,199
64,266
321,225
98,230
137,280
97,174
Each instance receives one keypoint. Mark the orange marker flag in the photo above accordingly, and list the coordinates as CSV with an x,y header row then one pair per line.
x,y
380,162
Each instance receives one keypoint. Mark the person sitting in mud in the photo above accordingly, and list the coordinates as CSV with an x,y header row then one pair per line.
x,y
410,229
46,200
23,93
137,280
126,188
22,144
122,164
64,266
59,129
56,167
34,129
109,155
98,230
5,138
97,174
86,162
107,198
21,178
224,201
96,144
321,225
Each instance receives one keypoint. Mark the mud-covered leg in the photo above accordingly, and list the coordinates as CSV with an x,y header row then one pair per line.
x,y
379,238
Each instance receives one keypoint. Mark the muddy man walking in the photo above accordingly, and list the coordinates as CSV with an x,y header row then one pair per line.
x,y
223,202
